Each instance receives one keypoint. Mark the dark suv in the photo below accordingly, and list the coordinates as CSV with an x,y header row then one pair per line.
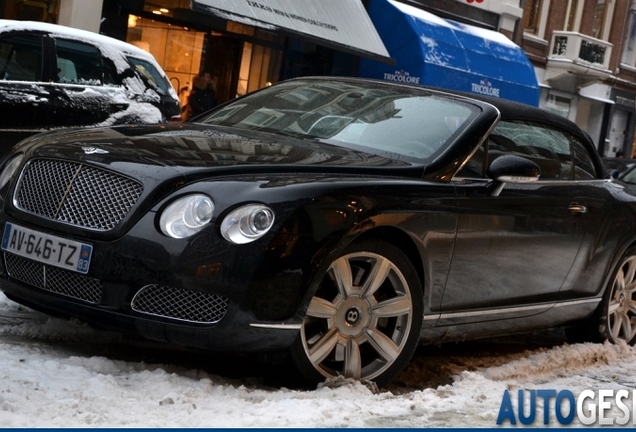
x,y
53,76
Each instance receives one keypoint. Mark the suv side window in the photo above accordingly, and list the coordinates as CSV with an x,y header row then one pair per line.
x,y
78,63
21,58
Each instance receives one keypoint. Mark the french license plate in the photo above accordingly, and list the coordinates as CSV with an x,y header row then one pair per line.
x,y
47,248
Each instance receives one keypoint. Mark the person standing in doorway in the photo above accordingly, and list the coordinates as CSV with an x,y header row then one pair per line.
x,y
202,96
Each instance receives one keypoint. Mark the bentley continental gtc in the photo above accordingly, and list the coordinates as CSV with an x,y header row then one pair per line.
x,y
334,222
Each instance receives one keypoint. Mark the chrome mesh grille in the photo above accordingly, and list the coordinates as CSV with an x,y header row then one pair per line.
x,y
76,194
53,279
181,304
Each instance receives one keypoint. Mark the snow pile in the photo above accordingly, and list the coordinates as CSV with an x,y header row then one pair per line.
x,y
55,373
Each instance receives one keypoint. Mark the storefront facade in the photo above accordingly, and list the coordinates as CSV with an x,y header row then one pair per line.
x,y
243,49
432,50
620,123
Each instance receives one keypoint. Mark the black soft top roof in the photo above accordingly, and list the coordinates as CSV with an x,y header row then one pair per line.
x,y
518,111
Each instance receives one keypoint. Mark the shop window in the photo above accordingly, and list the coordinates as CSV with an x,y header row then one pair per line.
x,y
244,70
34,10
178,50
260,67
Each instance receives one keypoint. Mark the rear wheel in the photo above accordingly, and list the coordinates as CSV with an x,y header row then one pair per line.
x,y
365,318
615,319
619,318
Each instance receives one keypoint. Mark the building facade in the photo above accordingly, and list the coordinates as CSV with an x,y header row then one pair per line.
x,y
583,53
247,49
244,45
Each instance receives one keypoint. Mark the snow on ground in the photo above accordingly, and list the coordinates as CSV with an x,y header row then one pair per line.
x,y
55,373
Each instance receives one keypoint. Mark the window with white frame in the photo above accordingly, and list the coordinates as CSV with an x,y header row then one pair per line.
x,y
629,58
558,104
536,17
603,11
599,18
573,15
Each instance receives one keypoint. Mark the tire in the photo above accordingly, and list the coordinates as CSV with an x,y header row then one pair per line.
x,y
365,318
615,318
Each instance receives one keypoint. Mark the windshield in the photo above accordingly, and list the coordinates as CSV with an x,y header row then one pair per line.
x,y
151,74
408,122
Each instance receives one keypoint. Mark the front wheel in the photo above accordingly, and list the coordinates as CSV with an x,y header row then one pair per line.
x,y
364,320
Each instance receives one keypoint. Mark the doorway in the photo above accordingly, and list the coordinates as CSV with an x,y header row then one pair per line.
x,y
221,57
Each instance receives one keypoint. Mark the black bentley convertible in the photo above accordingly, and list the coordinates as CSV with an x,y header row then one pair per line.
x,y
339,221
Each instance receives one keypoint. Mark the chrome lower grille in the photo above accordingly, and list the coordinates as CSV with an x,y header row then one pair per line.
x,y
180,304
53,279
75,193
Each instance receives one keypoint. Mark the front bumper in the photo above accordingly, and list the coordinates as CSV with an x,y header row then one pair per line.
x,y
241,335
191,294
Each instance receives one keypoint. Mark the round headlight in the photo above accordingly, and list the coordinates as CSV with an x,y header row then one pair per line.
x,y
247,223
10,168
186,215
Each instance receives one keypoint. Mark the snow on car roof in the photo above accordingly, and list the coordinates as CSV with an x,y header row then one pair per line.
x,y
111,47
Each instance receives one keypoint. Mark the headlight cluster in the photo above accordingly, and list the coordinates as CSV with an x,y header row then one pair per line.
x,y
189,214
247,223
10,168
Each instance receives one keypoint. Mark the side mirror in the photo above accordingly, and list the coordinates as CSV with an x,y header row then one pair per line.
x,y
614,174
512,169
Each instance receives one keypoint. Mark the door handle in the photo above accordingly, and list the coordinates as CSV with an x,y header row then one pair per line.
x,y
577,209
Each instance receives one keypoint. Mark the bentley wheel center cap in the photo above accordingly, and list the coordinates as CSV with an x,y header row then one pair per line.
x,y
353,316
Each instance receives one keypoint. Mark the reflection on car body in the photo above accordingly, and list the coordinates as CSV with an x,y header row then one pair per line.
x,y
337,220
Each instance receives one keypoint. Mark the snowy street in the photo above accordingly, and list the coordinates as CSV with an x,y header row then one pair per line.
x,y
55,373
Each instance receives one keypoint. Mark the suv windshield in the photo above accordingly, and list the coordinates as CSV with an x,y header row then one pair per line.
x,y
148,71
402,121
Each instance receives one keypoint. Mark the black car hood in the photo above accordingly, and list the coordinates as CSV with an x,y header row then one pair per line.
x,y
193,149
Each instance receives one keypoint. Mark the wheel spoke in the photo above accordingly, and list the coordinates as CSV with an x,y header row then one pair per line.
x,y
342,274
613,307
619,282
631,305
393,307
631,289
353,360
627,327
324,346
616,326
321,308
631,269
383,344
376,277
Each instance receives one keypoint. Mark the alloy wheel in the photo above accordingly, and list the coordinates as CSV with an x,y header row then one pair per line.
x,y
621,312
359,320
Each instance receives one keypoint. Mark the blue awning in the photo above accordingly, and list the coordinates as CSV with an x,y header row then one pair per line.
x,y
433,51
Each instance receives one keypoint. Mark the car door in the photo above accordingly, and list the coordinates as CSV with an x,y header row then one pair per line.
x,y
515,249
77,85
24,105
